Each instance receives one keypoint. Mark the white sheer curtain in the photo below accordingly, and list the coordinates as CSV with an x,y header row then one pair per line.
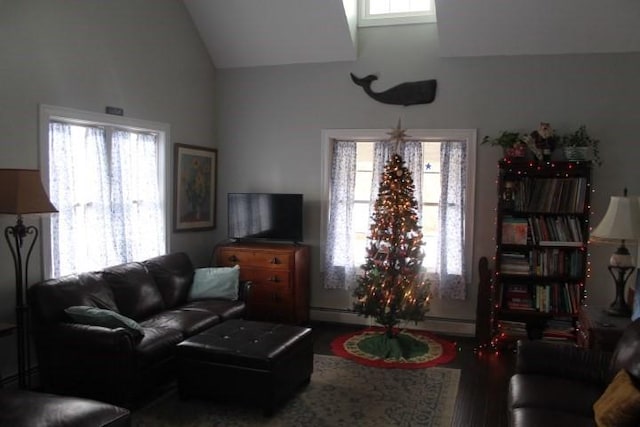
x,y
339,268
136,195
107,195
448,281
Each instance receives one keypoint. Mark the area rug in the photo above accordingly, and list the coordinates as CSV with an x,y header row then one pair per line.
x,y
429,350
341,394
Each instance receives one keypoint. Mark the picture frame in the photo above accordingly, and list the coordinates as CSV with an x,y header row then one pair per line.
x,y
195,179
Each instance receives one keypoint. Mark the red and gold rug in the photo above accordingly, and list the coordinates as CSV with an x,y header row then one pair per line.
x,y
370,347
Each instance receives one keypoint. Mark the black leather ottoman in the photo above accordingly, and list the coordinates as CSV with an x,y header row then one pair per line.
x,y
253,362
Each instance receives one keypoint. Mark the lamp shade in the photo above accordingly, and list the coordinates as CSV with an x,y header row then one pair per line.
x,y
21,192
620,222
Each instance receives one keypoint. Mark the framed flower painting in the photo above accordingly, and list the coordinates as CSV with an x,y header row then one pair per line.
x,y
195,188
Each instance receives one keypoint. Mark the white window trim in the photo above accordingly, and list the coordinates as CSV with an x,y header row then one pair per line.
x,y
469,136
367,20
52,112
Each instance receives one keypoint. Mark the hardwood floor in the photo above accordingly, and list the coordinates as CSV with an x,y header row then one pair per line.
x,y
482,393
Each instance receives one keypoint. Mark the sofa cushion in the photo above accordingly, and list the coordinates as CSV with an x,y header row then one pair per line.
x,y
541,391
224,308
215,282
101,317
134,289
619,405
48,299
537,417
157,345
187,322
173,274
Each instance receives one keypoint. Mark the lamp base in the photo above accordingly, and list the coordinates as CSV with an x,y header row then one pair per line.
x,y
619,309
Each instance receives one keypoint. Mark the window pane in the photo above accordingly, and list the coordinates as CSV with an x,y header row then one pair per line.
x,y
430,251
359,248
431,156
420,5
360,222
431,188
105,183
397,6
364,156
429,220
363,186
381,7
377,7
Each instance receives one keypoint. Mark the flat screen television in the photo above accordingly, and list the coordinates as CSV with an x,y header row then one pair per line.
x,y
265,216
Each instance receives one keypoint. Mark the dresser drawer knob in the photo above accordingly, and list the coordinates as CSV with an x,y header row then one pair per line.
x,y
233,258
273,279
275,260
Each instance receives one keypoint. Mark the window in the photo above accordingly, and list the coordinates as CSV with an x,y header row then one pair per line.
x,y
392,12
105,175
442,165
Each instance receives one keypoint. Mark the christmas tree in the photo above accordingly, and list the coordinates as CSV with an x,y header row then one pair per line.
x,y
392,287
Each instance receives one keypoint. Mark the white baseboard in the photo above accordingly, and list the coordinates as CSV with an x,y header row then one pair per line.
x,y
433,324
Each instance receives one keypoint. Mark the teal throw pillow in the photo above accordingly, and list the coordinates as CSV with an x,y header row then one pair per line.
x,y
215,282
100,317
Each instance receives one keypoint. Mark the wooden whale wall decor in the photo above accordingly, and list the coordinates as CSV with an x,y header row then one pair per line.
x,y
410,93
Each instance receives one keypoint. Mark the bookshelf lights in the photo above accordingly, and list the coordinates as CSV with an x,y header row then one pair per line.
x,y
563,169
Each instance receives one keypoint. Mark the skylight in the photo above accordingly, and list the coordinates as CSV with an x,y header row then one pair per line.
x,y
392,12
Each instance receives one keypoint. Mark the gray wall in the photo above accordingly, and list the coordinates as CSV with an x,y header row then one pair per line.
x,y
270,121
145,56
142,55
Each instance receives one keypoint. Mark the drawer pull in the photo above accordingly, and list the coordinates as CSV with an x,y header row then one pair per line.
x,y
275,260
233,258
273,279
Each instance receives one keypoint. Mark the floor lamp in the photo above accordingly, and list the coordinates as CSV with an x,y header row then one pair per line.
x,y
621,223
21,193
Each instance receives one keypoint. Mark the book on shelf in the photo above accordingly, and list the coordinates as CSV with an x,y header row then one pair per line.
x,y
512,329
518,297
516,263
560,243
514,231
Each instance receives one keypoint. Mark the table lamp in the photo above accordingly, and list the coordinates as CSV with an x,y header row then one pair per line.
x,y
21,193
621,223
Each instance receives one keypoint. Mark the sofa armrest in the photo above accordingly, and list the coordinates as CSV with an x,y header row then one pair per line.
x,y
96,338
84,360
244,290
562,360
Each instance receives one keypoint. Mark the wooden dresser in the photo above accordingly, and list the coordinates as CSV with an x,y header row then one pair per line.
x,y
280,277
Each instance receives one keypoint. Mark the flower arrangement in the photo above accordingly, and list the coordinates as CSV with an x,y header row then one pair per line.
x,y
543,141
511,142
197,184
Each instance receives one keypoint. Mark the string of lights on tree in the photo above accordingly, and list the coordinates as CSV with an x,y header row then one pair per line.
x,y
392,286
523,168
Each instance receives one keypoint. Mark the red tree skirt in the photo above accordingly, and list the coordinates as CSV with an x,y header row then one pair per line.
x,y
439,351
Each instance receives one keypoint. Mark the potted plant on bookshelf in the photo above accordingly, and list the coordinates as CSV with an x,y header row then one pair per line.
x,y
576,146
511,143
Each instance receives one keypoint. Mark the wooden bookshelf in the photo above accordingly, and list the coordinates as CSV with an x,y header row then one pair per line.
x,y
541,249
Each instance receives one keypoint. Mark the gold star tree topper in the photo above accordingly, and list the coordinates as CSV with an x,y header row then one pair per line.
x,y
398,134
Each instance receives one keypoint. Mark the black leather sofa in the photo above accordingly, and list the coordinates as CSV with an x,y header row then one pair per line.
x,y
116,365
23,408
557,384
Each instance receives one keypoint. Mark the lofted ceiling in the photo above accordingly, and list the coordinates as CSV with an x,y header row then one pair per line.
x,y
250,33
